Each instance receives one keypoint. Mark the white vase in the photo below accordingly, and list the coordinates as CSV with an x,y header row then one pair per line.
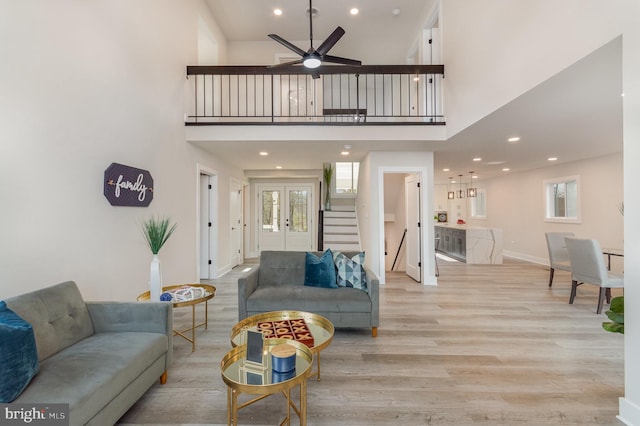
x,y
155,280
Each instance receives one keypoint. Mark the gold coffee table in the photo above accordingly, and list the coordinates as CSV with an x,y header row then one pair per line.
x,y
233,374
210,291
321,328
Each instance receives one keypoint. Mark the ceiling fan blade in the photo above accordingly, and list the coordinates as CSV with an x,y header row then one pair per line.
x,y
330,41
286,64
343,61
286,44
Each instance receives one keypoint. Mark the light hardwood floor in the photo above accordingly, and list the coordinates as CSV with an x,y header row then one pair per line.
x,y
490,345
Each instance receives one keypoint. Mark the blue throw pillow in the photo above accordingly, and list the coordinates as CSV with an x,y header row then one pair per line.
x,y
320,271
350,270
18,354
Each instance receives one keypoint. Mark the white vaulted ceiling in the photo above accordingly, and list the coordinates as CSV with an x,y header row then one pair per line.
x,y
576,114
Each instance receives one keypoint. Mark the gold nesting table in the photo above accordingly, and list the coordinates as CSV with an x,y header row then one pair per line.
x,y
234,375
321,328
209,293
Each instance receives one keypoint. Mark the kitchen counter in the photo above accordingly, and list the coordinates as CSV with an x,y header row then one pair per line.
x,y
470,244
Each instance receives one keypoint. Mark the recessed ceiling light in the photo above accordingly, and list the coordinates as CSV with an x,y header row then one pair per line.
x,y
264,153
477,159
446,170
506,169
552,159
347,147
354,11
278,167
395,12
277,12
474,177
344,153
514,139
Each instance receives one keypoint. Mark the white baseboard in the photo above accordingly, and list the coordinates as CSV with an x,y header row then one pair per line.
x,y
629,412
526,257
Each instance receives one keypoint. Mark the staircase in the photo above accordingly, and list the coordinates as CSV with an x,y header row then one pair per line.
x,y
341,230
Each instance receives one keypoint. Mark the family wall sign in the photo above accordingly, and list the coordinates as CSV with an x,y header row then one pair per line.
x,y
127,186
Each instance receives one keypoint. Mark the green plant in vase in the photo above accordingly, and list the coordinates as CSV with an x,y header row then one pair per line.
x,y
327,175
156,231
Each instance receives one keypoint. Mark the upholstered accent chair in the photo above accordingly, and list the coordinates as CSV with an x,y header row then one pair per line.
x,y
588,266
558,254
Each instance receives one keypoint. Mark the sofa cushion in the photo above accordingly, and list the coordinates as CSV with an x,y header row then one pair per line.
x,y
281,268
350,271
58,315
320,271
18,354
308,299
91,373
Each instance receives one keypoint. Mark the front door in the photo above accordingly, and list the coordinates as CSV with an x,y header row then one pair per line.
x,y
285,219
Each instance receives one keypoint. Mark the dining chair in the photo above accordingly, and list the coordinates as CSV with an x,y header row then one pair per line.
x,y
588,266
558,254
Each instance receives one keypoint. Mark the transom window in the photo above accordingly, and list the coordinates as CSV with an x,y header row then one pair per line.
x,y
346,178
562,200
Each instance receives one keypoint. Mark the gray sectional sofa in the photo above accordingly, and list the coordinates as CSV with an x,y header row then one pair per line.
x,y
99,357
277,283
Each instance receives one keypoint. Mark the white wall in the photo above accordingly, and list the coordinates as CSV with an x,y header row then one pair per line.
x,y
495,50
515,203
91,83
630,404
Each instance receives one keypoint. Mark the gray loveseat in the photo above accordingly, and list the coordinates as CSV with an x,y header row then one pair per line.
x,y
277,283
99,357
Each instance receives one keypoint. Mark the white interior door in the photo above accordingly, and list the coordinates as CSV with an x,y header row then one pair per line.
x,y
235,240
285,220
413,238
207,226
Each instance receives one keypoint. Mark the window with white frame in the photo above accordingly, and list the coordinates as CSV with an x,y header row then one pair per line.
x,y
479,205
562,199
346,178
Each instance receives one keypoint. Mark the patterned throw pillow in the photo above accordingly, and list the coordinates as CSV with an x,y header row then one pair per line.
x,y
350,272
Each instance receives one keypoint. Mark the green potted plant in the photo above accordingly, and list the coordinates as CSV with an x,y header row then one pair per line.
x,y
156,231
327,174
616,315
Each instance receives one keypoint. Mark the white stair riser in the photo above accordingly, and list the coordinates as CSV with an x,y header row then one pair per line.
x,y
339,221
341,237
340,229
339,214
342,247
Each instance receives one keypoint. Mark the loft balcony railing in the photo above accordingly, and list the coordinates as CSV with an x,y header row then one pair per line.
x,y
328,95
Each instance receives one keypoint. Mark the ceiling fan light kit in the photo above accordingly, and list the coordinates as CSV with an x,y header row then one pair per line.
x,y
313,58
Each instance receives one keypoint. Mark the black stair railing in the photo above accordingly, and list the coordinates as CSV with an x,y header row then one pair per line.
x,y
333,95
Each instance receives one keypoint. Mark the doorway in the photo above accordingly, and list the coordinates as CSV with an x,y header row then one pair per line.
x,y
285,217
405,239
413,236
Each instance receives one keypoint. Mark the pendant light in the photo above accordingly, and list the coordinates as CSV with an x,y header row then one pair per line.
x,y
460,191
471,191
450,195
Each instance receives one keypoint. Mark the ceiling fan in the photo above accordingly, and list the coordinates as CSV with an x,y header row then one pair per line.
x,y
313,58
